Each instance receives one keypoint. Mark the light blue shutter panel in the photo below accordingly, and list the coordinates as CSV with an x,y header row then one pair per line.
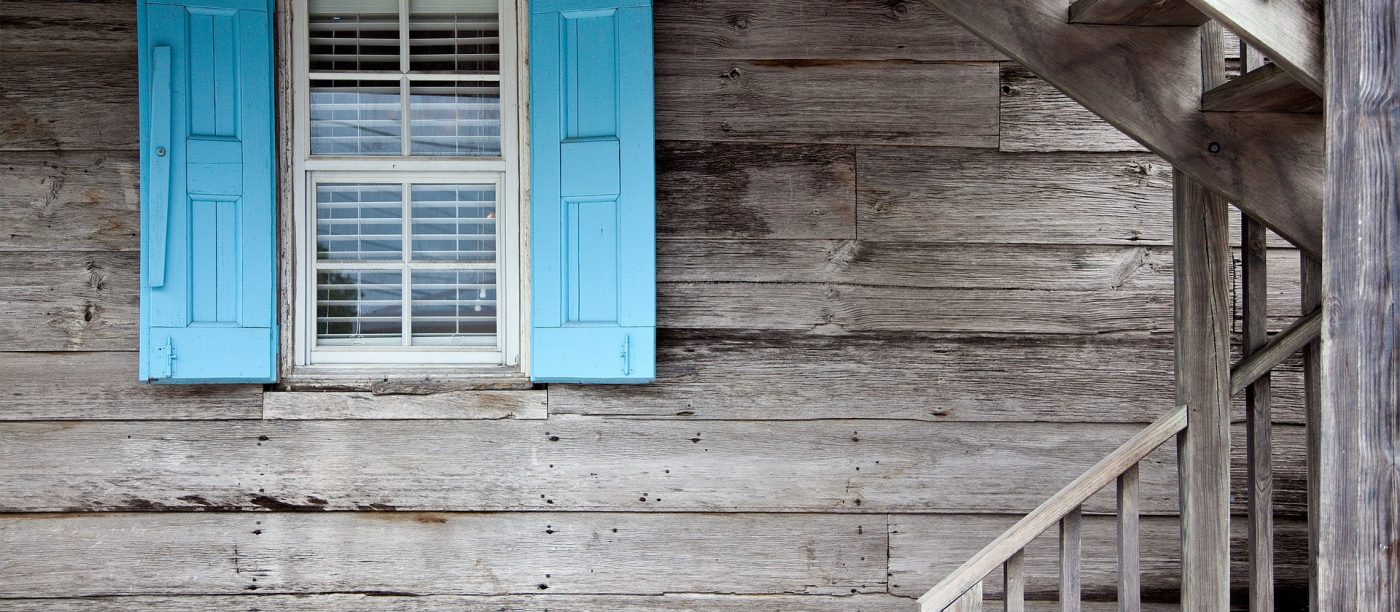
x,y
593,192
208,279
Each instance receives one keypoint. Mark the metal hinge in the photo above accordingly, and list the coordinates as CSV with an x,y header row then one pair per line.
x,y
626,354
164,360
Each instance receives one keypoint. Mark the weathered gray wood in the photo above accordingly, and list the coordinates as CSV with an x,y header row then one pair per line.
x,y
1358,568
84,26
971,601
444,553
1264,89
1071,561
820,29
1275,350
925,548
68,301
1063,507
98,386
738,190
940,104
1258,422
1136,13
573,463
482,404
47,102
1310,301
1036,117
948,195
1014,576
1129,490
385,602
1269,164
1203,386
1289,32
73,201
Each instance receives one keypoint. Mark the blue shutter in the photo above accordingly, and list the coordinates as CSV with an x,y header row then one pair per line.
x,y
208,308
593,193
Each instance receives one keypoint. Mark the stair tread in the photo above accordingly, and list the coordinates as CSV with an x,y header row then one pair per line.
x,y
1136,12
1265,89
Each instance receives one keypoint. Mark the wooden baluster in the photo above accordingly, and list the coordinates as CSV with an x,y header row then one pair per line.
x,y
1312,416
971,601
1258,421
1129,572
1071,532
1015,573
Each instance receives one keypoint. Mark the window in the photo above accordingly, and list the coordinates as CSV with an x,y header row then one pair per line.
x,y
405,179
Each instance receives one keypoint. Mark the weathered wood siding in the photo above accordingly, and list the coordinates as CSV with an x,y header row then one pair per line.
x,y
906,292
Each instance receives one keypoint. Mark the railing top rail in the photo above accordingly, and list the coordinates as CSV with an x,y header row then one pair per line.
x,y
1052,510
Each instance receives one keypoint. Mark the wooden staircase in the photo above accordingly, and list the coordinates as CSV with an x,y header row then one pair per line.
x,y
1155,69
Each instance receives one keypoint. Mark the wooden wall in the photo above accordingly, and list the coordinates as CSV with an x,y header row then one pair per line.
x,y
907,291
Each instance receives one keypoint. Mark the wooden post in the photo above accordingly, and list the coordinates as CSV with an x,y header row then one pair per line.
x,y
1202,258
1358,562
1129,568
1258,421
1311,278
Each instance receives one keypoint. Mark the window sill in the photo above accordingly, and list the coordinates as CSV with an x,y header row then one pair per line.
x,y
426,380
443,394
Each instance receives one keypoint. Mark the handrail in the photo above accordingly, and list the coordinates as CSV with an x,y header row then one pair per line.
x,y
1048,513
1301,333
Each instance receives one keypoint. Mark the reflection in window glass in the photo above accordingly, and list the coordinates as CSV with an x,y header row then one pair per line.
x,y
356,118
359,307
454,307
454,223
353,35
359,222
460,118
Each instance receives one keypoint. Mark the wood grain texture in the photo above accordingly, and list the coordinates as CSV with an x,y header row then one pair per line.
x,y
469,405
941,104
924,548
1310,300
102,385
68,301
813,29
574,463
739,190
440,553
1258,422
1264,89
1071,553
47,102
1269,164
1202,339
953,195
74,201
1358,566
1037,117
1135,13
1129,490
1290,32
83,26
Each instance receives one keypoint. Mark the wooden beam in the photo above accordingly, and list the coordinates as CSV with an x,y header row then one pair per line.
x,y
1311,300
1265,89
1147,83
1358,567
1258,421
1289,32
1136,12
1306,329
1202,335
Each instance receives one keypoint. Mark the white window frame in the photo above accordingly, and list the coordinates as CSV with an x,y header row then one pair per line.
x,y
503,172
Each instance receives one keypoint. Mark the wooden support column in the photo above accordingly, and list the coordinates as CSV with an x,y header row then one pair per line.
x,y
1311,278
1258,420
1202,258
1359,489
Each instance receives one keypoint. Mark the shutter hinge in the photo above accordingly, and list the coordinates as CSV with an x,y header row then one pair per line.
x,y
165,360
626,354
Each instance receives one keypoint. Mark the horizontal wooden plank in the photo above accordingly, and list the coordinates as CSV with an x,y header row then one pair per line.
x,y
923,549
575,463
1264,89
1037,117
905,376
95,386
471,405
739,190
73,201
68,301
827,101
384,602
817,29
413,553
84,26
70,101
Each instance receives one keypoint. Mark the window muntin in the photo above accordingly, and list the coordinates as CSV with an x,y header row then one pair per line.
x,y
405,190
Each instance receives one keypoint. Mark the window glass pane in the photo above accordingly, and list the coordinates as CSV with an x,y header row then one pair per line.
x,y
359,307
353,35
454,223
356,118
461,118
454,307
461,36
357,222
